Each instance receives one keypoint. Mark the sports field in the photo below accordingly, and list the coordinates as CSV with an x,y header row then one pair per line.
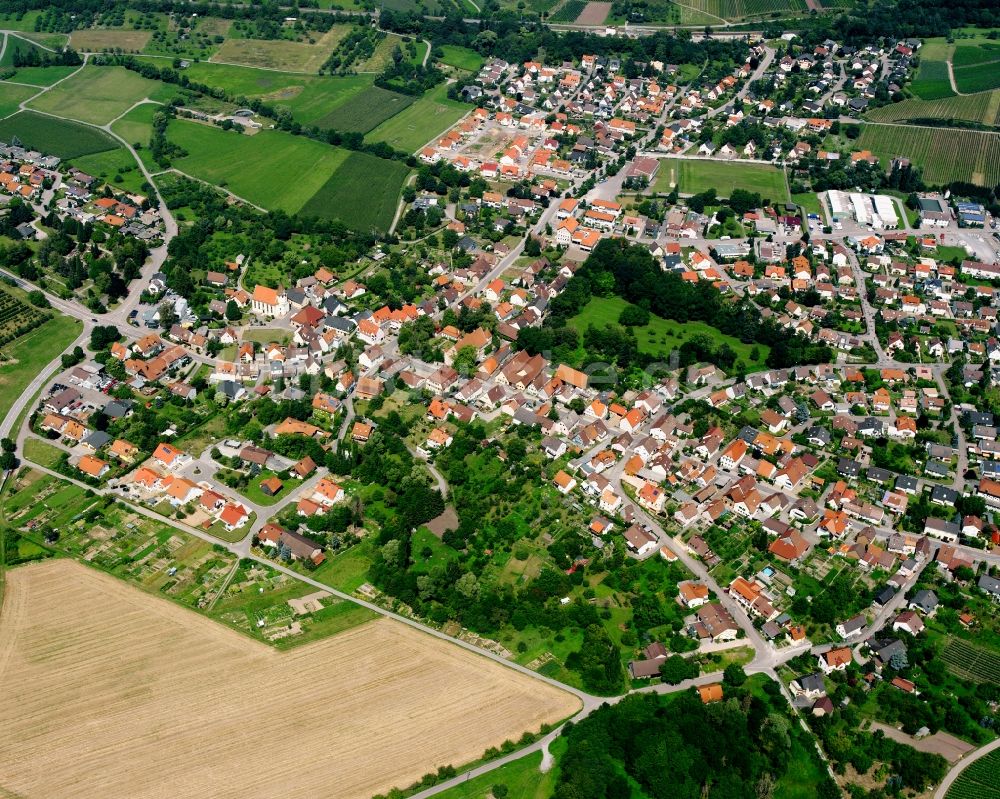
x,y
693,176
99,94
271,169
55,136
280,54
362,193
12,96
115,692
425,119
945,154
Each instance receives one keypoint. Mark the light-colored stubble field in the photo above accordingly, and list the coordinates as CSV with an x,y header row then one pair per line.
x,y
107,691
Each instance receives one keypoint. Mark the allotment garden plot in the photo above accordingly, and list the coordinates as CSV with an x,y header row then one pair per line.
x,y
108,691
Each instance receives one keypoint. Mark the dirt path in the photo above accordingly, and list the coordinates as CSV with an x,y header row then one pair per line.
x,y
941,743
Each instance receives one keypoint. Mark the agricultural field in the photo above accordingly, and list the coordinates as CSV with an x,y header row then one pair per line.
x,y
16,44
377,180
461,58
100,94
978,78
732,10
979,780
12,96
944,154
568,11
931,81
425,119
95,40
281,55
982,108
692,176
249,166
120,674
968,661
594,13
364,111
17,317
42,76
661,336
25,357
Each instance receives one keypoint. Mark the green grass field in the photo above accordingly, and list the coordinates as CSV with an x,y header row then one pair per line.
x,y
99,94
281,54
931,81
117,167
271,169
42,76
979,780
427,118
522,777
694,176
365,110
55,136
15,44
945,154
12,96
978,78
378,181
661,336
29,355
461,57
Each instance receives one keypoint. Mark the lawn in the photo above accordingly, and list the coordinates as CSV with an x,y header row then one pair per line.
x,y
12,96
364,110
809,201
461,57
346,570
99,94
661,336
255,493
423,121
42,453
55,136
361,175
271,169
693,176
30,354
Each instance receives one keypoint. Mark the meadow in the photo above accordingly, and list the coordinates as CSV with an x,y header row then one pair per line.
x,y
461,57
362,193
16,44
134,692
42,76
661,336
55,136
945,154
94,40
693,176
270,168
29,354
116,167
280,54
100,94
12,96
424,120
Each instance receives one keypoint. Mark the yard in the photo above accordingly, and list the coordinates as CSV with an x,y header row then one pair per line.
x,y
661,336
426,119
693,176
100,94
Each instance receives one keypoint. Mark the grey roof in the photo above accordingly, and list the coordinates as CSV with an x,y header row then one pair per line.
x,y
97,439
925,599
990,585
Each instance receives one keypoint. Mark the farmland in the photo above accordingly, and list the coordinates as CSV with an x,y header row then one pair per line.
x,y
281,54
17,317
568,11
428,117
112,660
982,108
739,9
361,175
27,356
978,78
931,81
693,176
365,110
98,39
944,154
661,336
247,164
979,780
972,662
55,136
99,94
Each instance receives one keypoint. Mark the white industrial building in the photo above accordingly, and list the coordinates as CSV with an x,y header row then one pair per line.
x,y
872,210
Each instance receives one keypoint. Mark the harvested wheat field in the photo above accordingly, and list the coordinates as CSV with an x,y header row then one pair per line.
x,y
106,691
